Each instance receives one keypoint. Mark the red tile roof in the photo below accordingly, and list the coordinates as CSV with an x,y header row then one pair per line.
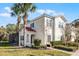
x,y
30,29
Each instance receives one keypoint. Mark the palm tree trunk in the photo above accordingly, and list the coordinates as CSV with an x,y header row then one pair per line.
x,y
17,30
18,23
25,23
25,20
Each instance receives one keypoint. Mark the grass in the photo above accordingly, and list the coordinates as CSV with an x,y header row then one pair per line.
x,y
13,51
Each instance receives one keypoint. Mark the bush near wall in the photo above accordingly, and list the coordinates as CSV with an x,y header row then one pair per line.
x,y
4,43
69,44
56,43
73,44
65,48
37,43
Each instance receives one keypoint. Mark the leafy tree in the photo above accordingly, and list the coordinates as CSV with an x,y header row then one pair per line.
x,y
11,28
67,33
3,34
77,37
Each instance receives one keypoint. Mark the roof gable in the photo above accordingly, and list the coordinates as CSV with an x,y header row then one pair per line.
x,y
63,18
30,29
43,15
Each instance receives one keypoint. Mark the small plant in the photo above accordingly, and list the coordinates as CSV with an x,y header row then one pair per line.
x,y
37,43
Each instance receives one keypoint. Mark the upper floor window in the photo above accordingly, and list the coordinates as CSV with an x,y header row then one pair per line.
x,y
32,25
49,38
48,22
60,25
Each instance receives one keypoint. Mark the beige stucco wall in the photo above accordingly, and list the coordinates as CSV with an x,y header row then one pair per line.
x,y
39,27
42,30
24,42
58,31
47,30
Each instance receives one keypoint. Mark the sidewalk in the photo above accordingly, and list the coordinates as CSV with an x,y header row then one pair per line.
x,y
76,53
50,48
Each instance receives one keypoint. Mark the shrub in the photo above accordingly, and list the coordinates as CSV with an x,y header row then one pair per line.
x,y
65,48
56,43
4,39
37,43
43,46
73,44
4,43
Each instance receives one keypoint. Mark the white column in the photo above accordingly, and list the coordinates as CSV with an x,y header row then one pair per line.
x,y
19,39
45,38
25,38
30,40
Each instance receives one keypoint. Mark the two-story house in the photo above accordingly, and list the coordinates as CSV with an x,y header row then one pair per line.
x,y
46,28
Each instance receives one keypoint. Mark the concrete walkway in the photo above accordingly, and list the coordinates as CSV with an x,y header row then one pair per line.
x,y
50,48
76,53
65,51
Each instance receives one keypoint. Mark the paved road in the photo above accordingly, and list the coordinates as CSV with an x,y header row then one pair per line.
x,y
76,53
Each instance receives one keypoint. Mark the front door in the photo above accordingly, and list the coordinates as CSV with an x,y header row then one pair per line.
x,y
32,38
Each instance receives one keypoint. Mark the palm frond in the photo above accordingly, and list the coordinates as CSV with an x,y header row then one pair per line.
x,y
33,9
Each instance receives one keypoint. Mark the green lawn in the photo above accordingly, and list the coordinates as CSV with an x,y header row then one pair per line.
x,y
12,51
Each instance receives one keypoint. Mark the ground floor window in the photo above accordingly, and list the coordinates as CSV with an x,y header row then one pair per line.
x,y
27,38
49,38
62,38
22,37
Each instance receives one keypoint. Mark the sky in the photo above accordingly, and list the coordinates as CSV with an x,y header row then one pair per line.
x,y
69,11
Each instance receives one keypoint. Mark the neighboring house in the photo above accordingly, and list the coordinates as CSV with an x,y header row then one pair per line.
x,y
73,33
70,32
75,29
45,27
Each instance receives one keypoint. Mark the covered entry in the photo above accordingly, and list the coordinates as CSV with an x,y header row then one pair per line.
x,y
32,39
28,38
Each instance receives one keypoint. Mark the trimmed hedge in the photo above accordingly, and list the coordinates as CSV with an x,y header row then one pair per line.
x,y
56,43
69,44
65,48
73,44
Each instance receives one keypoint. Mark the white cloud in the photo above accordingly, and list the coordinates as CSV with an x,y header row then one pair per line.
x,y
8,9
40,11
49,11
5,14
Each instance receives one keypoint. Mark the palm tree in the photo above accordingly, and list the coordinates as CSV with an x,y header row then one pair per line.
x,y
26,8
16,11
22,10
